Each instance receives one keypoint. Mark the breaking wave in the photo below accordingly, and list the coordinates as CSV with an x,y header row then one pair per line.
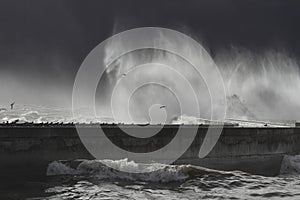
x,y
44,114
93,179
154,172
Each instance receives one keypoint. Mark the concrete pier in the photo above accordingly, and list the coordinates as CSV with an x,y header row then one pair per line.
x,y
30,148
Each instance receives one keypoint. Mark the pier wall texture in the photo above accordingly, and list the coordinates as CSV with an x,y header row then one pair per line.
x,y
254,150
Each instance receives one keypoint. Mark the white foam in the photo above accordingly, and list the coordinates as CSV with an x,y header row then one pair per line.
x,y
58,168
35,113
96,168
154,172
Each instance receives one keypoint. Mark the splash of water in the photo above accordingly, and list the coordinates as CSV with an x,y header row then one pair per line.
x,y
268,85
170,75
264,87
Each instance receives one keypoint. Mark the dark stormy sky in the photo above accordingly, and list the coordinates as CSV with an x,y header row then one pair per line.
x,y
43,42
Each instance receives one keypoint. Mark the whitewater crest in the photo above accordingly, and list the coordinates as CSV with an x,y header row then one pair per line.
x,y
47,114
239,114
154,172
175,182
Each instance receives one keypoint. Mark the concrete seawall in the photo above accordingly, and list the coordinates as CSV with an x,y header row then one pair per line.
x,y
254,150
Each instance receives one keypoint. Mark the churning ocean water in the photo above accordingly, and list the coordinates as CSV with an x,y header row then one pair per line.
x,y
92,179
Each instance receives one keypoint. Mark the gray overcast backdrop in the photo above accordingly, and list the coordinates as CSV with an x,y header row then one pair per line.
x,y
43,42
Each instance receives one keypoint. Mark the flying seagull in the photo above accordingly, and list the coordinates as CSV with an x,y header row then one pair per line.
x,y
12,105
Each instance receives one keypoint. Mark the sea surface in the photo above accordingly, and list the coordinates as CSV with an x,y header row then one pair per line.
x,y
92,179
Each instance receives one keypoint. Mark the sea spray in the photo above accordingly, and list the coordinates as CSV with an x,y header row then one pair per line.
x,y
268,85
96,168
261,87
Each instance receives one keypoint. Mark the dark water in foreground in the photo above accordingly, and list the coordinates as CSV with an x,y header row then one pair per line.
x,y
93,180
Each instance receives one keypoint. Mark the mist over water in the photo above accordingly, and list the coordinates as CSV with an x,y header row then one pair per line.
x,y
263,86
35,88
259,86
268,84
